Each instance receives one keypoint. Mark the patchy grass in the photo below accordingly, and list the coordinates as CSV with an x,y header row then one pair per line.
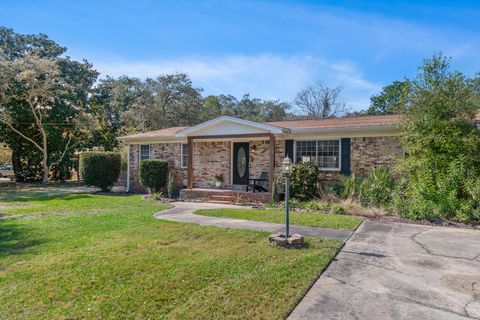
x,y
121,263
310,219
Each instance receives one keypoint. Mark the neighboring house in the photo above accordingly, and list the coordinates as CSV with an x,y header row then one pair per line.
x,y
241,149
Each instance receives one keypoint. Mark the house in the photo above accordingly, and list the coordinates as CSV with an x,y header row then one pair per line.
x,y
241,149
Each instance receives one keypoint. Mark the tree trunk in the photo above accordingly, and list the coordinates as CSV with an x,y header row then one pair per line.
x,y
46,168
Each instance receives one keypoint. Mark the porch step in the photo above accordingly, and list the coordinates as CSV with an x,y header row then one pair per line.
x,y
220,201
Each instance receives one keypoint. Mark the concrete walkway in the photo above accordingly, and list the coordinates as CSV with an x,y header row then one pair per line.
x,y
399,271
183,212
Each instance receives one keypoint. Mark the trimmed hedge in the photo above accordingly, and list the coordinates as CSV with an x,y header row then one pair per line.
x,y
100,169
154,174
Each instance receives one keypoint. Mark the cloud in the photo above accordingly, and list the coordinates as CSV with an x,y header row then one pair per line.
x,y
265,76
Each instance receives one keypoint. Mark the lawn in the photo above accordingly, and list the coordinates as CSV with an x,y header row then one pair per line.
x,y
94,256
310,219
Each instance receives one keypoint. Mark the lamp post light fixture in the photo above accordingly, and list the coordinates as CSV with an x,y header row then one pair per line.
x,y
287,170
287,240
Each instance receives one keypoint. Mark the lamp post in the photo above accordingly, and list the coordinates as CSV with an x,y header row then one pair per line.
x,y
287,170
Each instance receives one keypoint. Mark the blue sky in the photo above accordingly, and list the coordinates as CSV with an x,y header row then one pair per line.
x,y
270,49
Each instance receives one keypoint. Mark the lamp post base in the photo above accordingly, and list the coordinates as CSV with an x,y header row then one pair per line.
x,y
293,241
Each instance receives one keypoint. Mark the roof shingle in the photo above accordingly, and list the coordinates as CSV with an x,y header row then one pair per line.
x,y
360,121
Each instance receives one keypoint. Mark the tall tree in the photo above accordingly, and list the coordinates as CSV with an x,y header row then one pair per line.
x,y
42,99
393,99
320,101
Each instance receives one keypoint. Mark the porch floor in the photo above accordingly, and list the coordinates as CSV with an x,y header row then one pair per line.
x,y
224,195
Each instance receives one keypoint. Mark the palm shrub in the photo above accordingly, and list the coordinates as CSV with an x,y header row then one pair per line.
x,y
304,181
440,176
377,188
100,169
351,186
154,174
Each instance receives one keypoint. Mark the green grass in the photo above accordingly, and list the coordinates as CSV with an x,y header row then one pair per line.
x,y
310,219
92,256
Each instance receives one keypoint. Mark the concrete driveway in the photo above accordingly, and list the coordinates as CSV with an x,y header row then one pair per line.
x,y
399,271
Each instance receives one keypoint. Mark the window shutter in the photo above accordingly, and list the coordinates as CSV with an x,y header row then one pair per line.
x,y
345,152
289,149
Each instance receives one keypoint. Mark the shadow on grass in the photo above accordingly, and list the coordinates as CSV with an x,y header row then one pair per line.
x,y
16,238
46,197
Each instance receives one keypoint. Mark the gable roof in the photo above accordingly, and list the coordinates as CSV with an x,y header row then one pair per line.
x,y
237,126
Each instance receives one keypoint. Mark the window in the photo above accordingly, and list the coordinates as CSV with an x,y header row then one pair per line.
x,y
325,153
144,152
184,155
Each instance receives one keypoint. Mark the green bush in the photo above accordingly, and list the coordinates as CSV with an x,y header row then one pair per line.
x,y
315,205
440,176
154,174
100,169
304,181
377,188
351,186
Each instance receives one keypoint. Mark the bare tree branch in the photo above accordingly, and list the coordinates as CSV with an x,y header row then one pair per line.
x,y
320,101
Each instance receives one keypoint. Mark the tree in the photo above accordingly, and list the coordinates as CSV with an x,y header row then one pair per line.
x,y
441,172
34,74
393,99
320,101
32,92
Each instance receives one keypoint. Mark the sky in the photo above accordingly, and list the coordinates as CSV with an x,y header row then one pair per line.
x,y
269,49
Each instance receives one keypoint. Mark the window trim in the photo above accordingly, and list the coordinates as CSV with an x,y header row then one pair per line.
x,y
316,151
181,156
140,152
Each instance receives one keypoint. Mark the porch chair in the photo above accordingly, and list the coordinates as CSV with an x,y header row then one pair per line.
x,y
259,184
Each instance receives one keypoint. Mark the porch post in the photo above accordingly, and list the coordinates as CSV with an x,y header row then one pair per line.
x,y
271,174
190,163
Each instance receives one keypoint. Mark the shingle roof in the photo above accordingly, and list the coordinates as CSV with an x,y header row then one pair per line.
x,y
348,122
157,133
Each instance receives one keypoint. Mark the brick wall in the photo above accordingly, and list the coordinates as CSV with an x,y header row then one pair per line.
x,y
210,158
170,152
369,152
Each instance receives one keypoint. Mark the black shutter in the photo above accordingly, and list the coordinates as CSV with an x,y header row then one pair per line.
x,y
345,156
289,149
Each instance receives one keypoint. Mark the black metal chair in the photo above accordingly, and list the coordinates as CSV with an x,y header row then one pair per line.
x,y
258,184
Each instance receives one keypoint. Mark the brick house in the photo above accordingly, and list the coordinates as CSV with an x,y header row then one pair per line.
x,y
241,149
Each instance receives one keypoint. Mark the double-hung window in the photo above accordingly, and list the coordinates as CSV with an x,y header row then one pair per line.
x,y
184,155
324,153
144,152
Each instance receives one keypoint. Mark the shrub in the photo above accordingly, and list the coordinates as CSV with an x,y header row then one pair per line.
x,y
100,169
377,188
154,174
351,186
441,173
304,181
315,205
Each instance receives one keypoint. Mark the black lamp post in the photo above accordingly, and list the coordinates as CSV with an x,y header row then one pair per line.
x,y
287,170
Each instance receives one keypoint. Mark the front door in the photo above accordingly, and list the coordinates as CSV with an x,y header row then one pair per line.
x,y
240,163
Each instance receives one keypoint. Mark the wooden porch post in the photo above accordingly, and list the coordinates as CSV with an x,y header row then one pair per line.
x,y
271,174
190,163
